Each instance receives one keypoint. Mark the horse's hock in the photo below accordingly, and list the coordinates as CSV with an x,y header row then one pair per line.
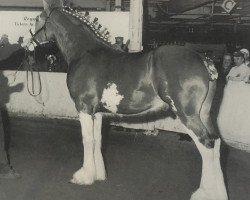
x,y
55,102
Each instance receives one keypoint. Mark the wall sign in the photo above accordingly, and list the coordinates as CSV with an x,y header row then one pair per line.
x,y
228,5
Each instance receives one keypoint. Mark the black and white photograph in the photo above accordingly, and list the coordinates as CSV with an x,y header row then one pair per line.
x,y
124,99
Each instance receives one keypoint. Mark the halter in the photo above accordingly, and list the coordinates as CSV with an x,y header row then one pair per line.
x,y
42,28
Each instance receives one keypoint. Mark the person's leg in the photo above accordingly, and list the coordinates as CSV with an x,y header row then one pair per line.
x,y
3,157
6,170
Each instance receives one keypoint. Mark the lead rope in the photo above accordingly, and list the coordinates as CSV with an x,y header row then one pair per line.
x,y
32,91
29,68
14,74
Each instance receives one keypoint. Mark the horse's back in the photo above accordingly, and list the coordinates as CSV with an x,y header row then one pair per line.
x,y
176,64
179,58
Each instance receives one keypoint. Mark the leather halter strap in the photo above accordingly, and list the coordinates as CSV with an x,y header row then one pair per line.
x,y
42,28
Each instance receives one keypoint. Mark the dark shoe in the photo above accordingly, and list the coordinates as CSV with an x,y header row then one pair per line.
x,y
7,172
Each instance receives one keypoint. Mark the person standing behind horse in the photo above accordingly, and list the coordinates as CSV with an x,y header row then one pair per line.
x,y
246,56
227,64
241,71
233,117
119,45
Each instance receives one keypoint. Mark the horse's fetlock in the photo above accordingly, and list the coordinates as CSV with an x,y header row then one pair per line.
x,y
207,142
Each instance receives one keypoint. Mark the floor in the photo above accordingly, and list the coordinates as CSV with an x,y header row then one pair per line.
x,y
48,152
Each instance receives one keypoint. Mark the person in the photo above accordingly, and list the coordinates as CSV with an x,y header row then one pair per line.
x,y
119,45
233,117
11,55
6,170
226,64
241,71
20,40
4,41
246,56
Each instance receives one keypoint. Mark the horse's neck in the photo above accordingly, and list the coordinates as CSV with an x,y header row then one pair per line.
x,y
73,41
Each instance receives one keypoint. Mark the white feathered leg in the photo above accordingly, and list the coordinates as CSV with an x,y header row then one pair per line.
x,y
86,174
212,186
99,163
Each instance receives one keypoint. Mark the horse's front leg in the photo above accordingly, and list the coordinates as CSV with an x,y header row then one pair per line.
x,y
212,186
86,174
99,163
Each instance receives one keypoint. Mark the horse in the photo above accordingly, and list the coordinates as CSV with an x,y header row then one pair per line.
x,y
170,81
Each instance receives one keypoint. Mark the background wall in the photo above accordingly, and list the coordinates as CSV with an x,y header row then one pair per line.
x,y
18,23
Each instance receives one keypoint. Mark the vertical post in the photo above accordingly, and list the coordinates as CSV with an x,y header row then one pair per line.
x,y
135,25
118,5
108,5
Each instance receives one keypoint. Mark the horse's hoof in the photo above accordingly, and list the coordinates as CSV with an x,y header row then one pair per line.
x,y
101,177
82,177
202,195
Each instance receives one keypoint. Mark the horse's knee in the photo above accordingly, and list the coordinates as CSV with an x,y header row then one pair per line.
x,y
86,122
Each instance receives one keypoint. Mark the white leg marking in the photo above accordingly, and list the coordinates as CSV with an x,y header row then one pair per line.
x,y
212,186
99,163
86,174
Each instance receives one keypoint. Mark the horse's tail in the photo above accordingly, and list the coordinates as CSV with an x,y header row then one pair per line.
x,y
205,110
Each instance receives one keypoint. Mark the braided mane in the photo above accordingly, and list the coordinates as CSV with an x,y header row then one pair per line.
x,y
94,26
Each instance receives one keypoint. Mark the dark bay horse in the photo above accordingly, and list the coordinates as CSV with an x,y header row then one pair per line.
x,y
169,81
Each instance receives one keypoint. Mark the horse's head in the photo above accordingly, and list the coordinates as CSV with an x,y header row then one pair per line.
x,y
43,26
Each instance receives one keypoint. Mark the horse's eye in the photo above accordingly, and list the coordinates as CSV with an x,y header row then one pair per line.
x,y
37,19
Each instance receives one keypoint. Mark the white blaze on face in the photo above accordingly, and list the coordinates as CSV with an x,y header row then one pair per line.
x,y
111,97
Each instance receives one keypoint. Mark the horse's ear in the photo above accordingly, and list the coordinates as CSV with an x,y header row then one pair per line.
x,y
49,4
46,6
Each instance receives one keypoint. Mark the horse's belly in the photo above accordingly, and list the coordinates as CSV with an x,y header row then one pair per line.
x,y
138,102
129,102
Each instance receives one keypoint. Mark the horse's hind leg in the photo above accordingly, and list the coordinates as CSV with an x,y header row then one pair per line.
x,y
212,186
193,108
194,112
199,126
86,174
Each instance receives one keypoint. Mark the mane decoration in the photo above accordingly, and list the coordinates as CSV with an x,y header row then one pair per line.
x,y
103,34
